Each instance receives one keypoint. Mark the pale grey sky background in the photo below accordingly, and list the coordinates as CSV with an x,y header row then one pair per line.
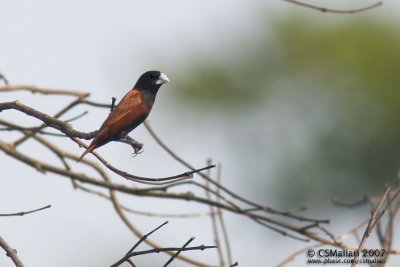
x,y
102,47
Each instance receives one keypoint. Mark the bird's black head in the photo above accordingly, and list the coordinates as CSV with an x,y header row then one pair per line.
x,y
151,80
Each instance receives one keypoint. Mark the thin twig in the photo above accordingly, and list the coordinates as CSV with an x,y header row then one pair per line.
x,y
178,252
29,131
22,213
376,215
145,237
113,99
222,221
214,221
146,180
337,202
145,213
332,10
4,79
168,249
71,105
77,117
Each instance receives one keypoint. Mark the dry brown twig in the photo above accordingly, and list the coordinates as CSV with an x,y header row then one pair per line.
x,y
377,213
10,252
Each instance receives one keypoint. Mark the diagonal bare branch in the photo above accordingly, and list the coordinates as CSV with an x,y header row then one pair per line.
x,y
10,252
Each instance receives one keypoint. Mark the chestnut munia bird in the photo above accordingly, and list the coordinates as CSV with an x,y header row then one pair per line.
x,y
131,111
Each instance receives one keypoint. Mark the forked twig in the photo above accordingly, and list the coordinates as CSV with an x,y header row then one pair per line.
x,y
131,253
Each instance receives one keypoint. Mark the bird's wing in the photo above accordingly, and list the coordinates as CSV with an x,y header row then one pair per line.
x,y
125,114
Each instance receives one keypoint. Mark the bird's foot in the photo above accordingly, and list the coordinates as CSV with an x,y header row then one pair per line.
x,y
137,150
137,147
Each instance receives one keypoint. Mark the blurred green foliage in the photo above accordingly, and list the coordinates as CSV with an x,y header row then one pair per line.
x,y
355,146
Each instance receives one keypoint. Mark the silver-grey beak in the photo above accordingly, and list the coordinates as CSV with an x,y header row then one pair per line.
x,y
162,79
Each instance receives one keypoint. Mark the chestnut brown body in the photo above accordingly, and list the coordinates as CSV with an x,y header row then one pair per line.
x,y
131,111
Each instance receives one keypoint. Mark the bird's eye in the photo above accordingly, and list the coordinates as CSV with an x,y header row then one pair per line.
x,y
152,76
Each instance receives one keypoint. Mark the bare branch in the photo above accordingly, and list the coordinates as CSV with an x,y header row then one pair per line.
x,y
145,213
10,252
47,119
43,91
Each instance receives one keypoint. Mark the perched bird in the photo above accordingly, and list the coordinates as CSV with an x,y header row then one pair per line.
x,y
131,111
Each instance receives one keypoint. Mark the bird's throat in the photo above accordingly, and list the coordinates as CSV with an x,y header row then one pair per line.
x,y
148,97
